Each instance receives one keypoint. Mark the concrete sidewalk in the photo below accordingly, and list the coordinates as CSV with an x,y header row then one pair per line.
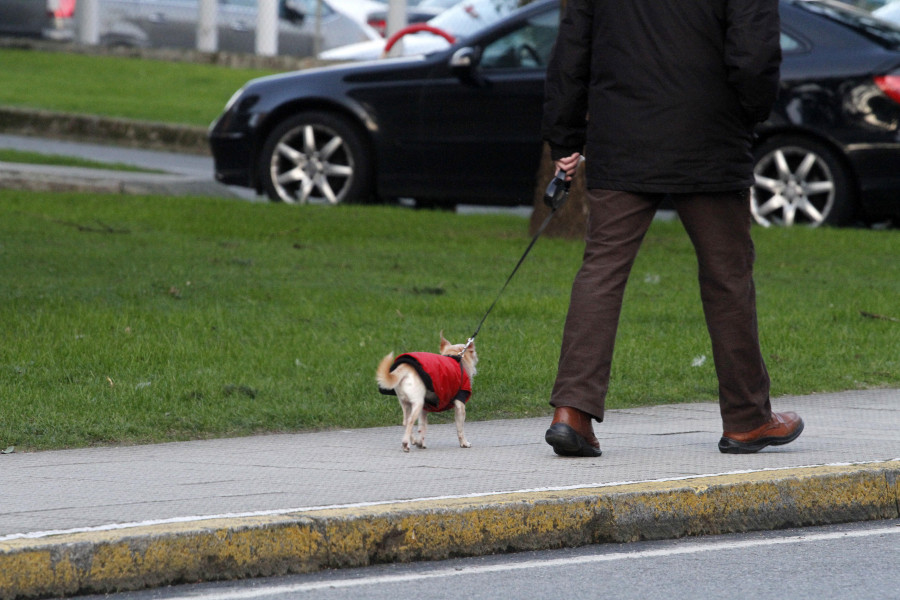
x,y
105,519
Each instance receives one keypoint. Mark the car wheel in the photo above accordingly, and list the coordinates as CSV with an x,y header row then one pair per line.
x,y
316,157
800,182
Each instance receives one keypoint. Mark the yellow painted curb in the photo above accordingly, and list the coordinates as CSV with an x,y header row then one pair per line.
x,y
138,557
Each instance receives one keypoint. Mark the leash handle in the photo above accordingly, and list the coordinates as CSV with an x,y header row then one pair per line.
x,y
557,191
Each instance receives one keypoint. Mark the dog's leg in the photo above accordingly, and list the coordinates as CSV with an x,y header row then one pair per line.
x,y
423,427
459,408
407,422
415,411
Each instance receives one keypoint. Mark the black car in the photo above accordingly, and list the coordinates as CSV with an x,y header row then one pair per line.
x,y
462,125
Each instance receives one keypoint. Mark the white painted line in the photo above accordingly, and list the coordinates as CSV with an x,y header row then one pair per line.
x,y
686,548
287,511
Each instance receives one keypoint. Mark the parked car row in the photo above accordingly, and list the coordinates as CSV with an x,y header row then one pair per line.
x,y
461,124
173,24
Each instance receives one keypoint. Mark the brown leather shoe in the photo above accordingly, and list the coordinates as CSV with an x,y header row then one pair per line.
x,y
572,434
782,429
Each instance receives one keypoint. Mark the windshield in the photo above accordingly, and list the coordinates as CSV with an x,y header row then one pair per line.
x,y
883,33
470,16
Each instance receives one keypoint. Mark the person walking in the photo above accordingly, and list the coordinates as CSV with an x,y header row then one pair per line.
x,y
661,97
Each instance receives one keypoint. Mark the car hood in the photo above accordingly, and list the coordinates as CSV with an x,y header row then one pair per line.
x,y
326,76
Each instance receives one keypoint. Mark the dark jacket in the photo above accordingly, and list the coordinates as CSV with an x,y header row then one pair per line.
x,y
672,88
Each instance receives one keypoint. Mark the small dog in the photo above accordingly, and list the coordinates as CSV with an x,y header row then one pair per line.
x,y
425,382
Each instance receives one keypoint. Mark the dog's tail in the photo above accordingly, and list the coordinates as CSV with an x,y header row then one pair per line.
x,y
383,375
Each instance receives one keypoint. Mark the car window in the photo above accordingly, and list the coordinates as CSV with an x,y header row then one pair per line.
x,y
790,44
309,7
305,7
529,46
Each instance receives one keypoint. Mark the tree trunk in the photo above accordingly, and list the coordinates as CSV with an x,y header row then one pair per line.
x,y
570,221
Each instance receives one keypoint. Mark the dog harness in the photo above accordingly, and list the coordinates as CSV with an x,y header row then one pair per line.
x,y
442,375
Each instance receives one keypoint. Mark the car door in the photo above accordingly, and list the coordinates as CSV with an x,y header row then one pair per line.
x,y
487,125
237,25
23,17
168,23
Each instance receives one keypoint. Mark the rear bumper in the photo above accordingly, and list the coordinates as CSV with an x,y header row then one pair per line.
x,y
878,174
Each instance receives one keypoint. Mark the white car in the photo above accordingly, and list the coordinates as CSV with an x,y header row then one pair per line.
x,y
888,12
357,9
459,21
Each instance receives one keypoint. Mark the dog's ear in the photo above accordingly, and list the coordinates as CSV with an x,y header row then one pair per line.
x,y
444,343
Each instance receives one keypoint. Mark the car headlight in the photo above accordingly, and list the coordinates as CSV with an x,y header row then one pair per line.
x,y
241,102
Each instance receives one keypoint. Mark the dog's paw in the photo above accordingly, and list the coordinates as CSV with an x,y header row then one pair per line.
x,y
404,446
465,444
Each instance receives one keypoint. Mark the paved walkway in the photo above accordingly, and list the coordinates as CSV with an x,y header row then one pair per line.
x,y
115,518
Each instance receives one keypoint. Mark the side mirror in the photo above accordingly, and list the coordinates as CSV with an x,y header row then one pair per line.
x,y
464,64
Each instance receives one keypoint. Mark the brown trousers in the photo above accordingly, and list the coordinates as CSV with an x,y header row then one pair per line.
x,y
719,227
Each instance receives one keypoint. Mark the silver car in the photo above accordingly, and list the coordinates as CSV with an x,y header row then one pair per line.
x,y
173,24
50,19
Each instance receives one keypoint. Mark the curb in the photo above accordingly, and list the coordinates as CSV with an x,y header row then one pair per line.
x,y
40,178
146,135
115,560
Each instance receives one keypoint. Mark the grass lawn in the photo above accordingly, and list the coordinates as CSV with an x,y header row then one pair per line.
x,y
114,86
144,319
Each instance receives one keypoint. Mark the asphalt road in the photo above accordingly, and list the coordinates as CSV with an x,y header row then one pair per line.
x,y
189,165
838,562
182,164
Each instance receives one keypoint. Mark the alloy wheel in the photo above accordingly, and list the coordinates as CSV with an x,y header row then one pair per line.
x,y
311,163
794,186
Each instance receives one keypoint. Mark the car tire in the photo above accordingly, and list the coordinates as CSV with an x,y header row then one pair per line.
x,y
316,157
800,181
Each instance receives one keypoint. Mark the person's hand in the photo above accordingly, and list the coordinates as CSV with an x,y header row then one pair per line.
x,y
568,165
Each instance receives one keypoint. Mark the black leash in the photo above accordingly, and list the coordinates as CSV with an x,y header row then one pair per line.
x,y
555,196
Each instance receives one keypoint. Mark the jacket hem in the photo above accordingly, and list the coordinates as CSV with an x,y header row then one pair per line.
x,y
668,188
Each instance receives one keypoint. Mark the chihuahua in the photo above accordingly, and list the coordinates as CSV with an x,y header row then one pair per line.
x,y
425,382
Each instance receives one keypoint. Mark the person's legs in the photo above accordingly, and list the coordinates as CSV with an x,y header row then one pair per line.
x,y
719,227
617,224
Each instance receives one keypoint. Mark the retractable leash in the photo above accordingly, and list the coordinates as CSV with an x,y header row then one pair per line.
x,y
555,196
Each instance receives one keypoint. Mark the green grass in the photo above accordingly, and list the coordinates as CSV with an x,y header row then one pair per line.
x,y
149,90
145,319
36,158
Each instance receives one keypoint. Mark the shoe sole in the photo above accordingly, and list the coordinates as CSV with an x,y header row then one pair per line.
x,y
566,442
729,446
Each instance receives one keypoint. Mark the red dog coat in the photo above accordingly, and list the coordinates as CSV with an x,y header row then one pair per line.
x,y
443,375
